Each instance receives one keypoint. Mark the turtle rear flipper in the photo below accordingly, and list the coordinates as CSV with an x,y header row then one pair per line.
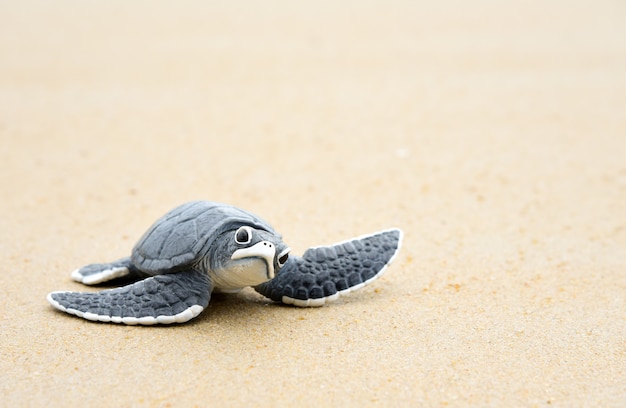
x,y
162,299
322,274
94,274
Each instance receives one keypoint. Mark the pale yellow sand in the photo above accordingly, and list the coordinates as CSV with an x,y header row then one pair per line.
x,y
493,134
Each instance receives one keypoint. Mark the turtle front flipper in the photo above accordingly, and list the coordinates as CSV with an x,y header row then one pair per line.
x,y
324,273
94,274
161,299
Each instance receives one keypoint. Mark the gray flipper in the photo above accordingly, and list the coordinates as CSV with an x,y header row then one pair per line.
x,y
322,274
94,274
162,299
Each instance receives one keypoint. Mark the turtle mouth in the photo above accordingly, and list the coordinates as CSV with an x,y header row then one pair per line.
x,y
264,250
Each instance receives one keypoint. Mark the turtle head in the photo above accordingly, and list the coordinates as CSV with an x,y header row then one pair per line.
x,y
247,256
258,244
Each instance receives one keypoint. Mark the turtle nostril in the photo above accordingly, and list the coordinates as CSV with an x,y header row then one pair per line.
x,y
283,259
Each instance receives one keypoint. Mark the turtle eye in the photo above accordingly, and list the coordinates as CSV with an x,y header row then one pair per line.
x,y
283,259
243,235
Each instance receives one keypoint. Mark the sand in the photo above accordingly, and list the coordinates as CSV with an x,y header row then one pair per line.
x,y
493,134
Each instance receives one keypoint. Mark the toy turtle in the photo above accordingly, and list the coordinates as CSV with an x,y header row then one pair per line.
x,y
201,247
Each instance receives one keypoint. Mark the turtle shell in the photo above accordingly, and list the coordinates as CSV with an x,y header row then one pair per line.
x,y
184,235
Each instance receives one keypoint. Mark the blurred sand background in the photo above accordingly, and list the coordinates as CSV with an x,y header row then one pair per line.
x,y
493,133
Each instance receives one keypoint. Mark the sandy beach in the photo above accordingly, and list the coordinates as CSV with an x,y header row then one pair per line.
x,y
493,134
